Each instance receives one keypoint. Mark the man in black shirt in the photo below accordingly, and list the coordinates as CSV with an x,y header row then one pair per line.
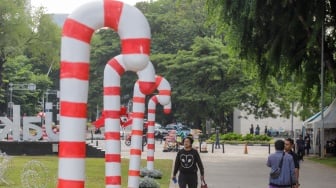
x,y
289,144
186,162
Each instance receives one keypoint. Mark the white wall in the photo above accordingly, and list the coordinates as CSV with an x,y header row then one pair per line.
x,y
242,123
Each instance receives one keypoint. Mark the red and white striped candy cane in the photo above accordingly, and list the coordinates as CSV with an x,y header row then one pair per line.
x,y
163,98
78,29
112,73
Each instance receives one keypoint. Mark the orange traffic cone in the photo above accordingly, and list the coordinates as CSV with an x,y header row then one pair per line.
x,y
245,149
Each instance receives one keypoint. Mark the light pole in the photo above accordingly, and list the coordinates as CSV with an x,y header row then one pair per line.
x,y
21,87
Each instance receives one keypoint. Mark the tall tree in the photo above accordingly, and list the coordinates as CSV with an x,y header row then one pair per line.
x,y
283,35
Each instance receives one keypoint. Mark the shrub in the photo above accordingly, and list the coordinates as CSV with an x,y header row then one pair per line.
x,y
147,182
150,173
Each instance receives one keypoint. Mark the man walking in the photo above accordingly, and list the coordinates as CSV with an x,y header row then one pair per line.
x,y
186,162
289,145
284,163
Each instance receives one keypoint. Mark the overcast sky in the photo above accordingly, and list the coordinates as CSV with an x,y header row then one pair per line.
x,y
67,6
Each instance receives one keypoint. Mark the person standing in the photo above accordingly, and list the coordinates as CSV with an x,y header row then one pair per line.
x,y
217,145
257,130
289,146
187,163
251,129
286,177
300,147
307,143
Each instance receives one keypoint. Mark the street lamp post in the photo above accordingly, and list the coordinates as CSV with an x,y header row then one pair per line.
x,y
21,87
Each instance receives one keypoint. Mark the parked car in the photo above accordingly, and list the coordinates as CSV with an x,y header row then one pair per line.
x,y
160,132
184,130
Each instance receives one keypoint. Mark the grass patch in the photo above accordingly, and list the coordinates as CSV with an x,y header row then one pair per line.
x,y
328,161
95,171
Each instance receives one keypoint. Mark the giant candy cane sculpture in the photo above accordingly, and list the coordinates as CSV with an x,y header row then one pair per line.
x,y
78,29
113,70
163,98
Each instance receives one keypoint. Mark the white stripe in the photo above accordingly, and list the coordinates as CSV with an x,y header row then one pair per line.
x,y
137,124
112,102
136,142
72,129
112,186
147,74
135,62
111,169
163,99
134,163
133,23
112,125
74,90
90,14
111,77
74,50
112,147
71,169
150,165
133,181
150,141
150,153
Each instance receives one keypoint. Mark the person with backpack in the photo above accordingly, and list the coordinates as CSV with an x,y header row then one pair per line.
x,y
282,167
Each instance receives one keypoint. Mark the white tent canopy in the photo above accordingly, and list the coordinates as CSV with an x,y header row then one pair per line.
x,y
329,122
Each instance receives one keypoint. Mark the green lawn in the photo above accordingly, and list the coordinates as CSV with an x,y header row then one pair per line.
x,y
95,171
329,161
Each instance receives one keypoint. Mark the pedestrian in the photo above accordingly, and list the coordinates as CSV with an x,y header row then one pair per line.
x,y
300,147
289,146
307,143
257,130
251,129
187,163
266,131
283,163
217,145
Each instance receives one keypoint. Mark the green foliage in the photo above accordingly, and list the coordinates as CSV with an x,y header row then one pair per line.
x,y
282,40
243,138
147,182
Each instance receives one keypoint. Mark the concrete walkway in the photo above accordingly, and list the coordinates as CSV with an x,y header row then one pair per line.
x,y
234,169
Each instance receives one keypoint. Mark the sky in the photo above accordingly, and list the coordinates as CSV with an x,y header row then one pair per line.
x,y
67,6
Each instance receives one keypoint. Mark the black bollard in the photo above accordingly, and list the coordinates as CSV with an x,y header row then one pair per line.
x,y
213,145
96,142
269,148
223,147
91,137
200,146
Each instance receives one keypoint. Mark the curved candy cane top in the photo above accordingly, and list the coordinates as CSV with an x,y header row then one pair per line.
x,y
126,20
164,89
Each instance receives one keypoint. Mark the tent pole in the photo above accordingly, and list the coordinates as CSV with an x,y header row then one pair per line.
x,y
322,90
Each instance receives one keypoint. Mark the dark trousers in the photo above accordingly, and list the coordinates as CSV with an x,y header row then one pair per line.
x,y
300,154
189,180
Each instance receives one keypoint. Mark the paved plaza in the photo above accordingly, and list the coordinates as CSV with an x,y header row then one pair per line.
x,y
234,169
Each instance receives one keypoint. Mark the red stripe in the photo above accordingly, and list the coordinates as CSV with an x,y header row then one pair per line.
x,y
139,99
72,109
113,180
74,70
76,30
165,92
167,110
151,123
112,12
135,46
112,91
135,152
72,149
133,173
140,115
112,114
158,80
150,158
147,87
112,158
112,136
116,66
154,99
150,146
137,132
151,111
150,135
62,183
